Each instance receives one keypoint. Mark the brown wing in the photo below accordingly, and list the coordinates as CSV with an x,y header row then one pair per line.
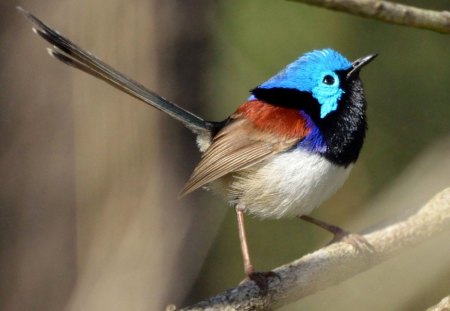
x,y
236,147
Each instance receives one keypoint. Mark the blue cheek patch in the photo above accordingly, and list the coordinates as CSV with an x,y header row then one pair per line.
x,y
328,106
328,102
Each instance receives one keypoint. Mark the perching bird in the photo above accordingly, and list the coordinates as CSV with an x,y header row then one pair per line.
x,y
287,149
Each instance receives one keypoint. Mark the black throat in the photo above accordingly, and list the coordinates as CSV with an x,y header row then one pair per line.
x,y
343,130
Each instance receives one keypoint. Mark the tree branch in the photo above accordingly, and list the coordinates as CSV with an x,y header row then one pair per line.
x,y
335,263
443,305
389,12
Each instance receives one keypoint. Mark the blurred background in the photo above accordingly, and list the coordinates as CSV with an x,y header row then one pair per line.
x,y
89,216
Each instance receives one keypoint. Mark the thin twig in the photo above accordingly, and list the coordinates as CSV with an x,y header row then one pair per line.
x,y
335,263
389,12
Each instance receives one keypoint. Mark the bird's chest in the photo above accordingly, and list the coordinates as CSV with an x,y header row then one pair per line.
x,y
286,185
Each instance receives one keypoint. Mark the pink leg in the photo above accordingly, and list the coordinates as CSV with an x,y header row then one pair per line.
x,y
338,233
248,267
261,279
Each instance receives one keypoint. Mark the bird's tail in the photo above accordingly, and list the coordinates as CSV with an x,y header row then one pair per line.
x,y
69,53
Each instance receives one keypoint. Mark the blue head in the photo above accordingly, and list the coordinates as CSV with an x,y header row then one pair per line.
x,y
315,72
326,89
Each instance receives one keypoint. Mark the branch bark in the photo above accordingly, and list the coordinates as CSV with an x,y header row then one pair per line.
x,y
335,263
443,305
389,12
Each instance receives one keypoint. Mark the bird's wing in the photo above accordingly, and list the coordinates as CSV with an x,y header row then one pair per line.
x,y
237,146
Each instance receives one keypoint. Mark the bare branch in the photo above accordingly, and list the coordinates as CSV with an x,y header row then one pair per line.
x,y
443,305
335,263
389,12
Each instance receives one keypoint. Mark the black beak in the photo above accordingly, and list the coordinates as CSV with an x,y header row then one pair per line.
x,y
359,63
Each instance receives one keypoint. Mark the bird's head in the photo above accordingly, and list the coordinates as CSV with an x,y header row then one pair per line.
x,y
323,75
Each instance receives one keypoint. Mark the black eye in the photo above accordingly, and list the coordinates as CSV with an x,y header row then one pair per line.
x,y
329,80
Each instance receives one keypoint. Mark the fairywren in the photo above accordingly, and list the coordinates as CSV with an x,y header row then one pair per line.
x,y
284,151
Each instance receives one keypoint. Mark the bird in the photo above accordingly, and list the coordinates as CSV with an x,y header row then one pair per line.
x,y
284,151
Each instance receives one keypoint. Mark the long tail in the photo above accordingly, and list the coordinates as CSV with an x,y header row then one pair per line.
x,y
69,53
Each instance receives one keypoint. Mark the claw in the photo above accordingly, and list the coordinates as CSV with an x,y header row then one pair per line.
x,y
340,235
357,241
262,279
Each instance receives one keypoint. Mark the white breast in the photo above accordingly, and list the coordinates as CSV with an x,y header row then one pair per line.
x,y
287,185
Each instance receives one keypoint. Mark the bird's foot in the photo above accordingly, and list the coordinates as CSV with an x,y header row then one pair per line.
x,y
262,280
339,234
356,240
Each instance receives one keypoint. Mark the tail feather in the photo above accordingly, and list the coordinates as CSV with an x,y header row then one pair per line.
x,y
69,53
